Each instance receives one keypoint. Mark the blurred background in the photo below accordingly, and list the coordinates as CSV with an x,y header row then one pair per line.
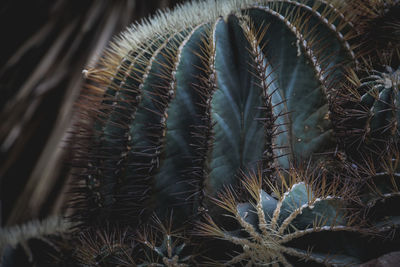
x,y
45,45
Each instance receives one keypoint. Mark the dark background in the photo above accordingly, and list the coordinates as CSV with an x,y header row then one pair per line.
x,y
45,45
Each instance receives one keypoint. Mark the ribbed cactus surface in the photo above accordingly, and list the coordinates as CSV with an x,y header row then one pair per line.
x,y
191,106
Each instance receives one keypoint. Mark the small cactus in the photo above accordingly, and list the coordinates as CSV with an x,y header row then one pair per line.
x,y
163,247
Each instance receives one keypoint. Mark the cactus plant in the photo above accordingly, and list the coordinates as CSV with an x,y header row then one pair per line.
x,y
161,246
249,77
185,104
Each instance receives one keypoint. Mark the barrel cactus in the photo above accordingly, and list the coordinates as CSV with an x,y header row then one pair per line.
x,y
195,100
188,100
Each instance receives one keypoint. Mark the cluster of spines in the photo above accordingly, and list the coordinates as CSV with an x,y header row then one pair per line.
x,y
155,244
378,26
202,134
163,246
103,247
381,193
261,70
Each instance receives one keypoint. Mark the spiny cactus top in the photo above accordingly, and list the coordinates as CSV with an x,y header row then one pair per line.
x,y
188,100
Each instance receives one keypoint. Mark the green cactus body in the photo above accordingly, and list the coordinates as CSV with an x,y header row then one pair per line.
x,y
369,116
191,106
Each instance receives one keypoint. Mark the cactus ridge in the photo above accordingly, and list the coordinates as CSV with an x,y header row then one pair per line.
x,y
255,82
